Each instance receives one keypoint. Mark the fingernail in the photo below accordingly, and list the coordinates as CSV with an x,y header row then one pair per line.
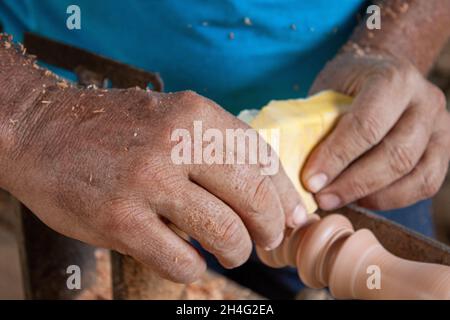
x,y
276,243
317,182
329,201
299,216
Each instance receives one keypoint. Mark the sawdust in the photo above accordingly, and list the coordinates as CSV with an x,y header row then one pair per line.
x,y
216,287
248,21
210,286
102,288
62,84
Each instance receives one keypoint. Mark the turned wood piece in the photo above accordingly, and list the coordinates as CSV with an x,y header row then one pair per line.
x,y
329,253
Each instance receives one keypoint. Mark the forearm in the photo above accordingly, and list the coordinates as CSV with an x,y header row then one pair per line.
x,y
410,29
25,93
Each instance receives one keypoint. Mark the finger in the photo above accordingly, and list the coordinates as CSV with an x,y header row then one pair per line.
x,y
144,236
422,183
293,206
249,193
211,222
394,157
375,110
294,210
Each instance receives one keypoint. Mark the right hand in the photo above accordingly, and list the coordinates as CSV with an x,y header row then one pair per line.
x,y
95,165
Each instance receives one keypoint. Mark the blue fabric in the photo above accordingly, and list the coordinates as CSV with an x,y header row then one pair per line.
x,y
189,43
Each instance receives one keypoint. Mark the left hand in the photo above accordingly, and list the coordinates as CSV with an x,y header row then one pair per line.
x,y
392,148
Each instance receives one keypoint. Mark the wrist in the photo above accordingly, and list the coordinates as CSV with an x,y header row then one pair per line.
x,y
24,90
358,50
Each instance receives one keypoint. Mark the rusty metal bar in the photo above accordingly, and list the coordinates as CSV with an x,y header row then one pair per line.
x,y
398,239
46,255
72,58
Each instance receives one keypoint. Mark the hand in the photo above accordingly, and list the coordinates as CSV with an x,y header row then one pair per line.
x,y
392,148
96,165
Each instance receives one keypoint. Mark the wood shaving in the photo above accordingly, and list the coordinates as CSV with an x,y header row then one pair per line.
x,y
62,85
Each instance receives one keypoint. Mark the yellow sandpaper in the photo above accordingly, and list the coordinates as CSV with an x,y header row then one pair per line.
x,y
302,123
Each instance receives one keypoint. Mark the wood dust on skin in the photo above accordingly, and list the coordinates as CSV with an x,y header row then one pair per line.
x,y
210,287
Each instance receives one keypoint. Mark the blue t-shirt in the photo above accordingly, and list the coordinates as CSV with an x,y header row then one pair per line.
x,y
239,53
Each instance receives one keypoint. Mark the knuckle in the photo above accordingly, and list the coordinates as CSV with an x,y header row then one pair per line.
x,y
430,183
367,129
188,96
193,102
157,176
390,70
229,235
358,189
230,244
397,71
339,157
400,158
439,97
126,224
258,194
186,268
